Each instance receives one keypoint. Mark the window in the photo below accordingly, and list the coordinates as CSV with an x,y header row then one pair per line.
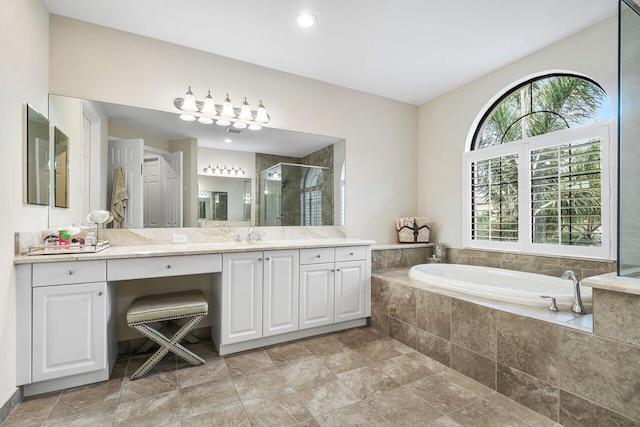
x,y
311,197
537,175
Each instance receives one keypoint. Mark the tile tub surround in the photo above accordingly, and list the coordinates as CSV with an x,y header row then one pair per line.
x,y
301,383
399,255
547,265
569,375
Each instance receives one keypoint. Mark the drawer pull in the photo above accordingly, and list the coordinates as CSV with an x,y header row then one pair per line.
x,y
70,272
267,259
100,293
318,256
351,253
259,259
168,266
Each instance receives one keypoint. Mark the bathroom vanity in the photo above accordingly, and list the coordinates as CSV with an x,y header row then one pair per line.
x,y
263,293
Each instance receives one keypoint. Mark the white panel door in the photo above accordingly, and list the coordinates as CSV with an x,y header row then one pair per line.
x,y
128,154
69,330
281,278
316,295
153,194
241,308
350,290
173,195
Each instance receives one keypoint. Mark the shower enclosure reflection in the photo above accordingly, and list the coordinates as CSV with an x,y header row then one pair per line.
x,y
296,194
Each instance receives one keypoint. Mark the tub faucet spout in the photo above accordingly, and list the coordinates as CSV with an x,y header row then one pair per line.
x,y
577,306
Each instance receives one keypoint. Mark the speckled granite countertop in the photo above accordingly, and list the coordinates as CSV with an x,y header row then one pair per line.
x,y
613,282
146,251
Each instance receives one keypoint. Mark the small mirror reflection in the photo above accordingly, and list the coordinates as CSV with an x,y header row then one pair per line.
x,y
38,158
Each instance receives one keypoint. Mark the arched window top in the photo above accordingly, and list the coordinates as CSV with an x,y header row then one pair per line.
x,y
542,105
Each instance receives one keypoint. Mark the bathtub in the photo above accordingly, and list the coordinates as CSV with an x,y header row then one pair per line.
x,y
498,284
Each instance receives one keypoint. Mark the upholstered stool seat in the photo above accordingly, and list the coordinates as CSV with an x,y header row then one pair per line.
x,y
158,308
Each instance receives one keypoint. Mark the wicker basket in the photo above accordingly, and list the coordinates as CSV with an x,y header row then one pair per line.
x,y
422,234
406,235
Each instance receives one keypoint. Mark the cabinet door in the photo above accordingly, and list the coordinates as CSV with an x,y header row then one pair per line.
x,y
241,308
316,295
350,290
281,279
69,330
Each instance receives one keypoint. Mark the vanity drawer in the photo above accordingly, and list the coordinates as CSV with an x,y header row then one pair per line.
x,y
69,272
316,255
182,265
351,253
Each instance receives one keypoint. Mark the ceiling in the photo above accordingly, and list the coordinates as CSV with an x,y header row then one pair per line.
x,y
170,127
408,50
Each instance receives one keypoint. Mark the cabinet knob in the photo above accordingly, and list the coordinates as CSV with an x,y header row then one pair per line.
x,y
168,266
70,272
318,256
333,271
259,259
351,253
100,293
267,259
338,269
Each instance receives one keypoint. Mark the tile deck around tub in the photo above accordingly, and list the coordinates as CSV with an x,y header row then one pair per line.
x,y
354,377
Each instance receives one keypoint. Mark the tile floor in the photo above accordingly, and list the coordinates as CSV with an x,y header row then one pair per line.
x,y
355,377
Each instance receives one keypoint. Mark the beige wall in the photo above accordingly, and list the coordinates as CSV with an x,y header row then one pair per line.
x,y
93,62
125,132
444,123
24,67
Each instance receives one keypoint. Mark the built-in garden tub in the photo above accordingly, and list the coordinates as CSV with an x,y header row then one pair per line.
x,y
498,284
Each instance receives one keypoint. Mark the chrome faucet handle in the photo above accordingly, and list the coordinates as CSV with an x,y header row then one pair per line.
x,y
260,236
237,236
553,306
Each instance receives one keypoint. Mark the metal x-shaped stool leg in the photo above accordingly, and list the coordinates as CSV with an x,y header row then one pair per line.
x,y
167,345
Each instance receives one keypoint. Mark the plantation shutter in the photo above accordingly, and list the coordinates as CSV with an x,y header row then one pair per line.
x,y
494,199
566,194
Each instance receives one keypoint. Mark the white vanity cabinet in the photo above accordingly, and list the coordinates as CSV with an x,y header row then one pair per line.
x,y
69,330
334,291
280,292
73,323
259,295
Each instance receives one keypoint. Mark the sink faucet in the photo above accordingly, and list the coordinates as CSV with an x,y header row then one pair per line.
x,y
250,234
577,306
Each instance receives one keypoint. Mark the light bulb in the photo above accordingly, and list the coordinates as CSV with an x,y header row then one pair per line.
x,y
261,114
187,117
245,111
217,169
189,102
209,106
223,122
227,108
239,125
306,19
205,120
255,127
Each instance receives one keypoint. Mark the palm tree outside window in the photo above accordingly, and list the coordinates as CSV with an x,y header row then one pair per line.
x,y
536,177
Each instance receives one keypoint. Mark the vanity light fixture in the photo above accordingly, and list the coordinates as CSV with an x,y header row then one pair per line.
x,y
306,19
223,171
208,112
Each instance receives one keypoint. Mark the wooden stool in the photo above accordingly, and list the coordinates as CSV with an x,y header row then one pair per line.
x,y
159,308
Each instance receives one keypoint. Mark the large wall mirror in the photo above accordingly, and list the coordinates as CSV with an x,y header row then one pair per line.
x,y
189,174
38,158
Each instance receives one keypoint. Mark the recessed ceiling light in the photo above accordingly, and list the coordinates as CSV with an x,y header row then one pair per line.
x,y
227,140
306,19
